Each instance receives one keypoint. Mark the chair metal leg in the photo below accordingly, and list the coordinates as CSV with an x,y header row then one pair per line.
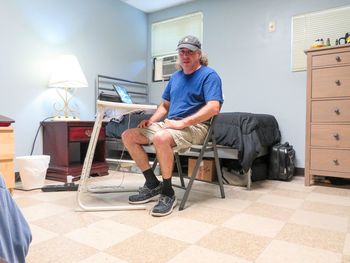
x,y
179,169
194,172
154,165
190,183
218,168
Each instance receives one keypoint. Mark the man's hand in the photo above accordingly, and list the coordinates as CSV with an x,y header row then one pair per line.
x,y
145,123
174,124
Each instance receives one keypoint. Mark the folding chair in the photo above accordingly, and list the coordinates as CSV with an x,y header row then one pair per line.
x,y
209,145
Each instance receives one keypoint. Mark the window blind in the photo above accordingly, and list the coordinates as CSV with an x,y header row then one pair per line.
x,y
331,23
167,33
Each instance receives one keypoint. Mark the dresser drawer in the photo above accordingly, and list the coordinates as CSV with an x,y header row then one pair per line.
x,y
7,149
330,111
83,134
331,82
330,135
330,160
332,59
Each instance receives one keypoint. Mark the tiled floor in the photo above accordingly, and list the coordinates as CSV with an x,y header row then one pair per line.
x,y
274,222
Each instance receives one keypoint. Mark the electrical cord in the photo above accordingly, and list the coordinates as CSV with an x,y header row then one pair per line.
x,y
37,132
122,155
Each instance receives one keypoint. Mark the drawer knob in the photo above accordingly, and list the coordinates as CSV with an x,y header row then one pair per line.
x,y
336,162
337,111
336,136
337,58
88,133
338,82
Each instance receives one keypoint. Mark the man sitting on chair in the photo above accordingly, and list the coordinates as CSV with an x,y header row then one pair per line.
x,y
192,96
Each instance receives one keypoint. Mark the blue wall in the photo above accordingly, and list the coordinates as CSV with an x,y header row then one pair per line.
x,y
255,65
112,38
108,37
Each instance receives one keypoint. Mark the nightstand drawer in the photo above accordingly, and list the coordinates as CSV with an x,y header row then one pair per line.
x,y
330,135
84,134
330,111
330,160
339,58
331,82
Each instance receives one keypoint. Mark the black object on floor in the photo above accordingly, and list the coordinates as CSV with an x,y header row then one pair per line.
x,y
60,187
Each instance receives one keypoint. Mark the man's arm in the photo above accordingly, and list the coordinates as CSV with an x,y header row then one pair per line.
x,y
206,112
160,114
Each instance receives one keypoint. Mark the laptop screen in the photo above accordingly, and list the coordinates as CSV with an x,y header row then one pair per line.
x,y
123,93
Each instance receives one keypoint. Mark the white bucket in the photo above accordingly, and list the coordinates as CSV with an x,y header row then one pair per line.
x,y
32,170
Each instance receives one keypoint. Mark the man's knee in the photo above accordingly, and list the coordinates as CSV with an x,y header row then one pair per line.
x,y
128,136
162,138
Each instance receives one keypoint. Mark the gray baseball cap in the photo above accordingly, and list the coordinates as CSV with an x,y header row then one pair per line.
x,y
190,42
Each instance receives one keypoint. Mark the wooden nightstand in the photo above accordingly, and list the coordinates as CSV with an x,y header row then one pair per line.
x,y
7,152
67,142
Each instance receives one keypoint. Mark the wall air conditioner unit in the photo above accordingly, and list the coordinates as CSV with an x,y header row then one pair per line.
x,y
163,67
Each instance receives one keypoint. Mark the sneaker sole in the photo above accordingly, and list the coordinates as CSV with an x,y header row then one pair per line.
x,y
153,198
167,213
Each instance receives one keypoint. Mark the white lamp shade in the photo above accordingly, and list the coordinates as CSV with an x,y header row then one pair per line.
x,y
67,73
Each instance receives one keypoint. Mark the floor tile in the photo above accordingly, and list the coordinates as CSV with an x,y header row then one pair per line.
x,y
242,194
330,222
230,204
236,243
276,221
26,201
102,258
186,230
196,254
329,199
256,225
42,210
332,190
346,249
289,193
102,234
147,247
282,201
59,250
270,211
40,234
282,251
313,237
293,186
337,210
208,215
66,222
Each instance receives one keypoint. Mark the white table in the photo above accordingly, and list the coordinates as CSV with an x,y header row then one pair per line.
x,y
102,106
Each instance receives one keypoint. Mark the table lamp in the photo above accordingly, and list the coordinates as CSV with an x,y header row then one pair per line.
x,y
66,74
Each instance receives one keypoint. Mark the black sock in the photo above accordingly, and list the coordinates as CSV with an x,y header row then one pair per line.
x,y
151,179
167,189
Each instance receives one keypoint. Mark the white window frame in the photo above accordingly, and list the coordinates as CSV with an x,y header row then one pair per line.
x,y
167,33
330,23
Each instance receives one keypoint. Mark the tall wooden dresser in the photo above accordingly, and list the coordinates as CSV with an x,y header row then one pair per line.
x,y
7,153
328,113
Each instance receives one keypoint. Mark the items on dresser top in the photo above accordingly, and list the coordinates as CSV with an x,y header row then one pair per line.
x,y
5,121
328,113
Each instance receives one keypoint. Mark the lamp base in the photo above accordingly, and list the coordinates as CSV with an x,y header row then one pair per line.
x,y
65,118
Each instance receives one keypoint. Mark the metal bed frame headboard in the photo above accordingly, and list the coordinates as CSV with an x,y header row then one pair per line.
x,y
137,90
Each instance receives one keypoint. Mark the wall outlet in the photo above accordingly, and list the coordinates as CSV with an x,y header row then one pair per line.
x,y
272,26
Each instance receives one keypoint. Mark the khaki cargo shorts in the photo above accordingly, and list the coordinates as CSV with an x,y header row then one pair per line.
x,y
184,138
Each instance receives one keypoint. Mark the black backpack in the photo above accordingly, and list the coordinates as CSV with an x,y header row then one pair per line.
x,y
282,159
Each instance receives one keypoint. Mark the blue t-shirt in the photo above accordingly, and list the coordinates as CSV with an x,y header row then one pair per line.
x,y
188,93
